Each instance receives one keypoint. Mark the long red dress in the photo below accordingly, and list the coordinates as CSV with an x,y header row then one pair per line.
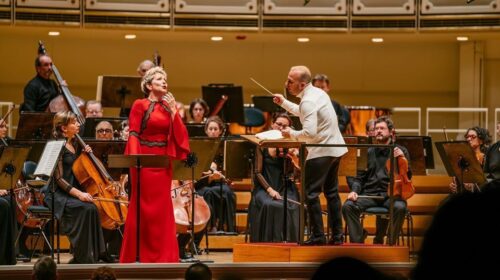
x,y
153,131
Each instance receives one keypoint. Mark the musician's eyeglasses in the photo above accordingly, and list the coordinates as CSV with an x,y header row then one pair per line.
x,y
103,131
471,137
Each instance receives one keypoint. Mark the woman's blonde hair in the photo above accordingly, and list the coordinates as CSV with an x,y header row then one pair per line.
x,y
61,119
149,76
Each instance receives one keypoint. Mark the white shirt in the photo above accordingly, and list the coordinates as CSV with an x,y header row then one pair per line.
x,y
319,122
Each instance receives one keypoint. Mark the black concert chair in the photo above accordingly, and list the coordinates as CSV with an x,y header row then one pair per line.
x,y
253,117
36,212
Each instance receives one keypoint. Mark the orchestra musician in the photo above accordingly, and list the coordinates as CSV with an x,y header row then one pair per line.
x,y
266,209
479,139
319,126
41,89
321,81
155,128
198,110
7,221
93,109
374,181
144,66
104,131
74,207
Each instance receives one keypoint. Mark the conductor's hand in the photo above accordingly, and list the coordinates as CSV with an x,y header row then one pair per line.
x,y
398,152
286,132
87,149
83,196
353,196
278,98
274,194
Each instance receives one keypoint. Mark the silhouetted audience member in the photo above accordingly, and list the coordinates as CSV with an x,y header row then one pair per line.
x,y
198,271
44,269
348,268
461,241
104,273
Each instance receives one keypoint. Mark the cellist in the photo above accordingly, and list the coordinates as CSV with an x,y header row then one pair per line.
x,y
374,181
73,206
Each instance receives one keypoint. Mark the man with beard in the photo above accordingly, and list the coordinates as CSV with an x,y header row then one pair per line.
x,y
374,181
41,89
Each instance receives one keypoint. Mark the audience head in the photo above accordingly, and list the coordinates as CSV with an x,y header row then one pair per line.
x,y
104,273
44,269
384,128
460,242
124,130
43,66
214,126
347,268
144,67
478,137
104,131
280,121
198,271
298,78
93,109
321,81
3,128
147,79
61,123
198,110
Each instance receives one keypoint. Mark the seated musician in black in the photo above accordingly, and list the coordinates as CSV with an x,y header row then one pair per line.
x,y
374,181
212,185
266,208
74,207
492,162
41,89
7,222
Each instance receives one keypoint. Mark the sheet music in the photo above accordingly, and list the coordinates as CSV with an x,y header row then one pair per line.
x,y
270,135
49,158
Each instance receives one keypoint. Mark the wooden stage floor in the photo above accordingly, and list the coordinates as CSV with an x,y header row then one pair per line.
x,y
254,261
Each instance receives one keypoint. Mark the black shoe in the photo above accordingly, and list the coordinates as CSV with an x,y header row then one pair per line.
x,y
107,258
72,261
314,241
336,241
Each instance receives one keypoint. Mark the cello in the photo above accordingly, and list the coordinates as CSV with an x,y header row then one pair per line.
x,y
183,208
109,196
66,101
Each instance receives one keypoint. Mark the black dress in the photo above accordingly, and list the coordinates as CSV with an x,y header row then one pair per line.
x,y
266,213
7,228
80,220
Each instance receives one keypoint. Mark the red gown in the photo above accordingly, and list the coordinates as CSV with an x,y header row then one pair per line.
x,y
152,131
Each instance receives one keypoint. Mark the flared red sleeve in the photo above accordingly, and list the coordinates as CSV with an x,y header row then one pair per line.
x,y
178,141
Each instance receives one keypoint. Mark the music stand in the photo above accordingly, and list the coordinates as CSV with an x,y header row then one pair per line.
x,y
195,130
28,129
232,111
415,147
348,162
138,162
36,150
460,162
238,157
266,103
285,144
119,91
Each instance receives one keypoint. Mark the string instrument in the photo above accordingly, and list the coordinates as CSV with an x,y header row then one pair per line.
x,y
25,197
403,186
66,101
109,196
183,208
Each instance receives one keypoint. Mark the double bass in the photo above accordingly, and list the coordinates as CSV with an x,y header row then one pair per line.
x,y
66,101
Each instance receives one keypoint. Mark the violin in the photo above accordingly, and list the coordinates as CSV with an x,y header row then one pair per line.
x,y
66,101
109,196
403,186
183,209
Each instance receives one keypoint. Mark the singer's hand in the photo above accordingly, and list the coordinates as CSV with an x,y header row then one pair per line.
x,y
170,100
278,99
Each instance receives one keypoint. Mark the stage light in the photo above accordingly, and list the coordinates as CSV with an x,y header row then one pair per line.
x,y
303,39
462,38
54,33
216,38
130,36
377,40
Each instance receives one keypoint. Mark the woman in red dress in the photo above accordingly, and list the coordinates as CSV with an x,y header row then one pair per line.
x,y
155,128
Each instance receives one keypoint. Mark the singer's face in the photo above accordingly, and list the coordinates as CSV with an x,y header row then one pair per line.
x,y
159,84
213,130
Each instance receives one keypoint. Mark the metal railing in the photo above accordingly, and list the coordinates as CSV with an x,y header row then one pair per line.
x,y
429,130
